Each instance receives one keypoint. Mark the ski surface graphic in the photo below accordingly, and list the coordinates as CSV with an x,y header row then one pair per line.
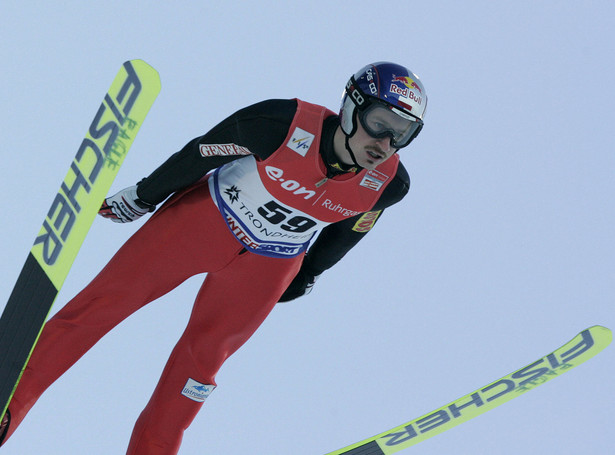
x,y
584,346
70,216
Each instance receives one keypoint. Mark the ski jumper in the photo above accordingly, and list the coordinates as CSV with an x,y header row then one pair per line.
x,y
250,215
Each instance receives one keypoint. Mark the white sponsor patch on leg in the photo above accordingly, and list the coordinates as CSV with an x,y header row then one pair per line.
x,y
197,391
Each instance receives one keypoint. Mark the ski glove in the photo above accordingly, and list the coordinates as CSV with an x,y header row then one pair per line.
x,y
125,206
301,285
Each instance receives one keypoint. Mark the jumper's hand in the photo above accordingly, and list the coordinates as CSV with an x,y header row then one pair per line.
x,y
301,285
125,206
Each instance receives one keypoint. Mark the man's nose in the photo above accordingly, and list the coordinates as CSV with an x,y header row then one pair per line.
x,y
385,144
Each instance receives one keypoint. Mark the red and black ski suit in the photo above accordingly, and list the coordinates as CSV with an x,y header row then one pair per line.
x,y
258,211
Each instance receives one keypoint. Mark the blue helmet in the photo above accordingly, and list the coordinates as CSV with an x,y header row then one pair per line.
x,y
389,86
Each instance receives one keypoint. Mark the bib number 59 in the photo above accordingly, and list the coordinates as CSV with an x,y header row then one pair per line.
x,y
276,214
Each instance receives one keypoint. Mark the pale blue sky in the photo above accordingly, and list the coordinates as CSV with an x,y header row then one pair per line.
x,y
502,251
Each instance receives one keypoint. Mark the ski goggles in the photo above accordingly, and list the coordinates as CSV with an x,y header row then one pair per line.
x,y
381,120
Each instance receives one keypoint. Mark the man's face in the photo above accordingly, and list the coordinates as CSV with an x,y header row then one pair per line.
x,y
370,152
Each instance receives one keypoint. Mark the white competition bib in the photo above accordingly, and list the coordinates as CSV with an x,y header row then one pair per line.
x,y
262,223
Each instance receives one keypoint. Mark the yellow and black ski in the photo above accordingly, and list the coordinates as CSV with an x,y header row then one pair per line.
x,y
70,216
584,346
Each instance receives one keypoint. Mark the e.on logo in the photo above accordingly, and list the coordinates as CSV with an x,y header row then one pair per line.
x,y
293,186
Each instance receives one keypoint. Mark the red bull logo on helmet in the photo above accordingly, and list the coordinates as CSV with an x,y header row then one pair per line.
x,y
406,89
408,82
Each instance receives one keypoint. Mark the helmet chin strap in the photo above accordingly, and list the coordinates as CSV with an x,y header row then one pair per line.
x,y
350,152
